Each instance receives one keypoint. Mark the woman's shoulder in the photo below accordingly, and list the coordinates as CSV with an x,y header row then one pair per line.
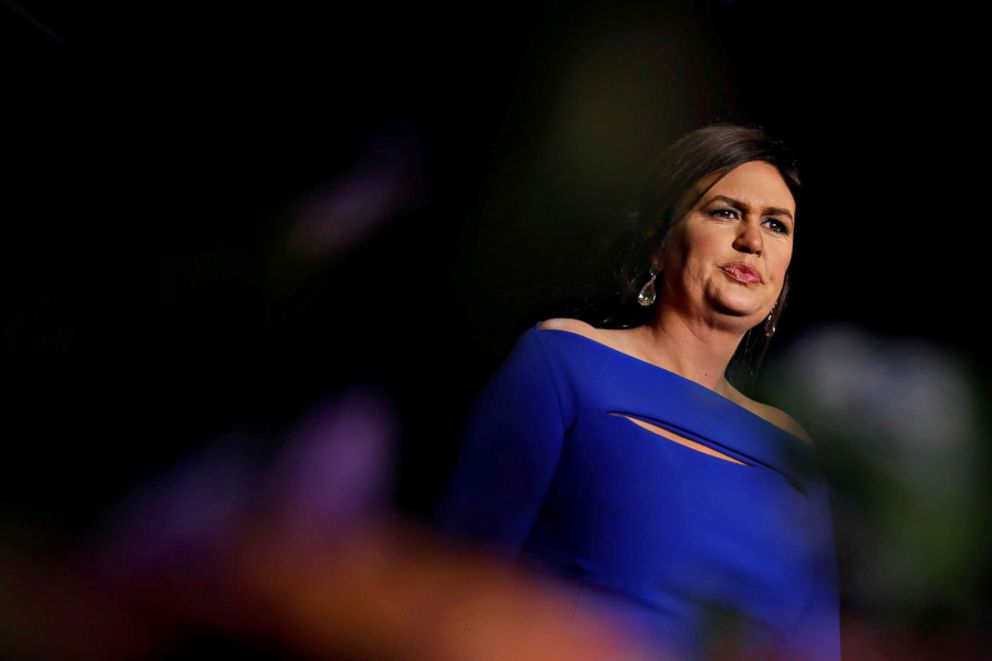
x,y
569,324
777,417
789,423
774,415
615,338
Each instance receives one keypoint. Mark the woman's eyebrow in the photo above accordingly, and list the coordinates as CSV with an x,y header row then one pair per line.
x,y
744,207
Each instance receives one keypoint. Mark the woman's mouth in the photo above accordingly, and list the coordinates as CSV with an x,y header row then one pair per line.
x,y
742,273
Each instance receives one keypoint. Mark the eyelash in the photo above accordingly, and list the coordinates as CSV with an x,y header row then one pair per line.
x,y
783,231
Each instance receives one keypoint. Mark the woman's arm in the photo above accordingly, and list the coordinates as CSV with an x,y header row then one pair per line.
x,y
510,443
817,635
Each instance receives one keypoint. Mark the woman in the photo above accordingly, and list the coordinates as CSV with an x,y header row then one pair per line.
x,y
624,461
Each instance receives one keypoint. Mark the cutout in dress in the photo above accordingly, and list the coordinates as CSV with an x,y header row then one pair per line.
x,y
678,438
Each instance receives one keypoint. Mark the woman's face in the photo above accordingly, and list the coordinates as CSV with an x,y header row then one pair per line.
x,y
746,217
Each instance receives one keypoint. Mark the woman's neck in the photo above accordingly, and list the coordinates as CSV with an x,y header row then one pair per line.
x,y
701,356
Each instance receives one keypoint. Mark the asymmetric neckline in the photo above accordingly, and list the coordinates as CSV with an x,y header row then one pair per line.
x,y
670,374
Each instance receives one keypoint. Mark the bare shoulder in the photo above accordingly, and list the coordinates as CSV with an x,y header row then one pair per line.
x,y
774,415
787,422
571,325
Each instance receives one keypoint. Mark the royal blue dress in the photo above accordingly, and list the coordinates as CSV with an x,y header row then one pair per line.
x,y
680,545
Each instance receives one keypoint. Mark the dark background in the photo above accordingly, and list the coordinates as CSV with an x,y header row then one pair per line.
x,y
157,155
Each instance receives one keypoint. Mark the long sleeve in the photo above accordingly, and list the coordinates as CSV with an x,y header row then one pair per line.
x,y
509,448
816,636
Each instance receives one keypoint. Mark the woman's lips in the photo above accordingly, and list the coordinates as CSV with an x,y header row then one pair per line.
x,y
742,273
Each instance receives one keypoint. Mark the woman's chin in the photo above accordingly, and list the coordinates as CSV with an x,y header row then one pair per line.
x,y
738,306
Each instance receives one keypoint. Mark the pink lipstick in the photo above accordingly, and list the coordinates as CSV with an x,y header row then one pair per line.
x,y
742,272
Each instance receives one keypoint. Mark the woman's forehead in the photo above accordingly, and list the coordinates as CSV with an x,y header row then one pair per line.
x,y
754,184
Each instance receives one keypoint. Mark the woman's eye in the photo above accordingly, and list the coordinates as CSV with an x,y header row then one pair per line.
x,y
782,227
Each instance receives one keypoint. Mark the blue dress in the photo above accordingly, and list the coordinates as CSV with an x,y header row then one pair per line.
x,y
682,546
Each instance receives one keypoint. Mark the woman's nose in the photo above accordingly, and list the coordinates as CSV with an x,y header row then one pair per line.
x,y
749,238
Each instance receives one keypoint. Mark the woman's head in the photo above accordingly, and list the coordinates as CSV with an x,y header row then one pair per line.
x,y
744,217
679,226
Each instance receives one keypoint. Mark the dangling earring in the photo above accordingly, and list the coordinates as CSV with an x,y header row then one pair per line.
x,y
769,324
647,295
